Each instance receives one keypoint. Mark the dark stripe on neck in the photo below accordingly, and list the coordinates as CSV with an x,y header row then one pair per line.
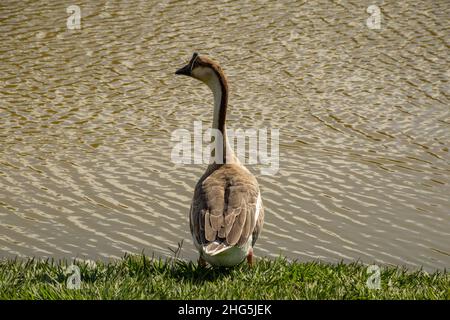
x,y
223,111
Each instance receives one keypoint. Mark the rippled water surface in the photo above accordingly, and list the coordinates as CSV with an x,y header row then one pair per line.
x,y
86,118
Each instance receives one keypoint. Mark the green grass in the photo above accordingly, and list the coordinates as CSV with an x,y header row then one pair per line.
x,y
140,277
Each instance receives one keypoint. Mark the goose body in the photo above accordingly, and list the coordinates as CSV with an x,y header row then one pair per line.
x,y
227,213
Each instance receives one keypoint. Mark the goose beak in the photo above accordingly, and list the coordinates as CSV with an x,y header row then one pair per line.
x,y
186,70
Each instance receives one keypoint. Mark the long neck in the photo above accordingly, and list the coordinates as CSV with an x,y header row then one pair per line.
x,y
219,88
220,91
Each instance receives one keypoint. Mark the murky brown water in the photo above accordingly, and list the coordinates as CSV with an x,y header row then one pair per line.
x,y
86,118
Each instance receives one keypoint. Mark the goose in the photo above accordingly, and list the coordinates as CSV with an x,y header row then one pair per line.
x,y
227,213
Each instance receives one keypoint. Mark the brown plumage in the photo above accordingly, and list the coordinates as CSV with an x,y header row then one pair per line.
x,y
226,215
224,205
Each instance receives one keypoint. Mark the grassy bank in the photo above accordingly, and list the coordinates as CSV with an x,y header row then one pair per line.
x,y
138,277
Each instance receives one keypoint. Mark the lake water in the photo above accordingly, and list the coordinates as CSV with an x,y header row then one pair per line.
x,y
86,118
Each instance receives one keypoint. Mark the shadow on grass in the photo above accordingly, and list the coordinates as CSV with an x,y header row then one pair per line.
x,y
190,271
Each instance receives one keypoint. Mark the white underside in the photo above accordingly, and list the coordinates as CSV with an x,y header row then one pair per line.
x,y
231,256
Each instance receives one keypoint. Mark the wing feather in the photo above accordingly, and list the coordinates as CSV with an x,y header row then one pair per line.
x,y
224,207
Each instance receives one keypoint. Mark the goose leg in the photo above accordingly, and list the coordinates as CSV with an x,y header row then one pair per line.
x,y
250,257
201,262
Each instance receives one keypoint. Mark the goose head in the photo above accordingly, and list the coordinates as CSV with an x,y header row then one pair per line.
x,y
204,69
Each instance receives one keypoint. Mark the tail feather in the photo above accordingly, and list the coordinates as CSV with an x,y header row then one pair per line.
x,y
214,248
